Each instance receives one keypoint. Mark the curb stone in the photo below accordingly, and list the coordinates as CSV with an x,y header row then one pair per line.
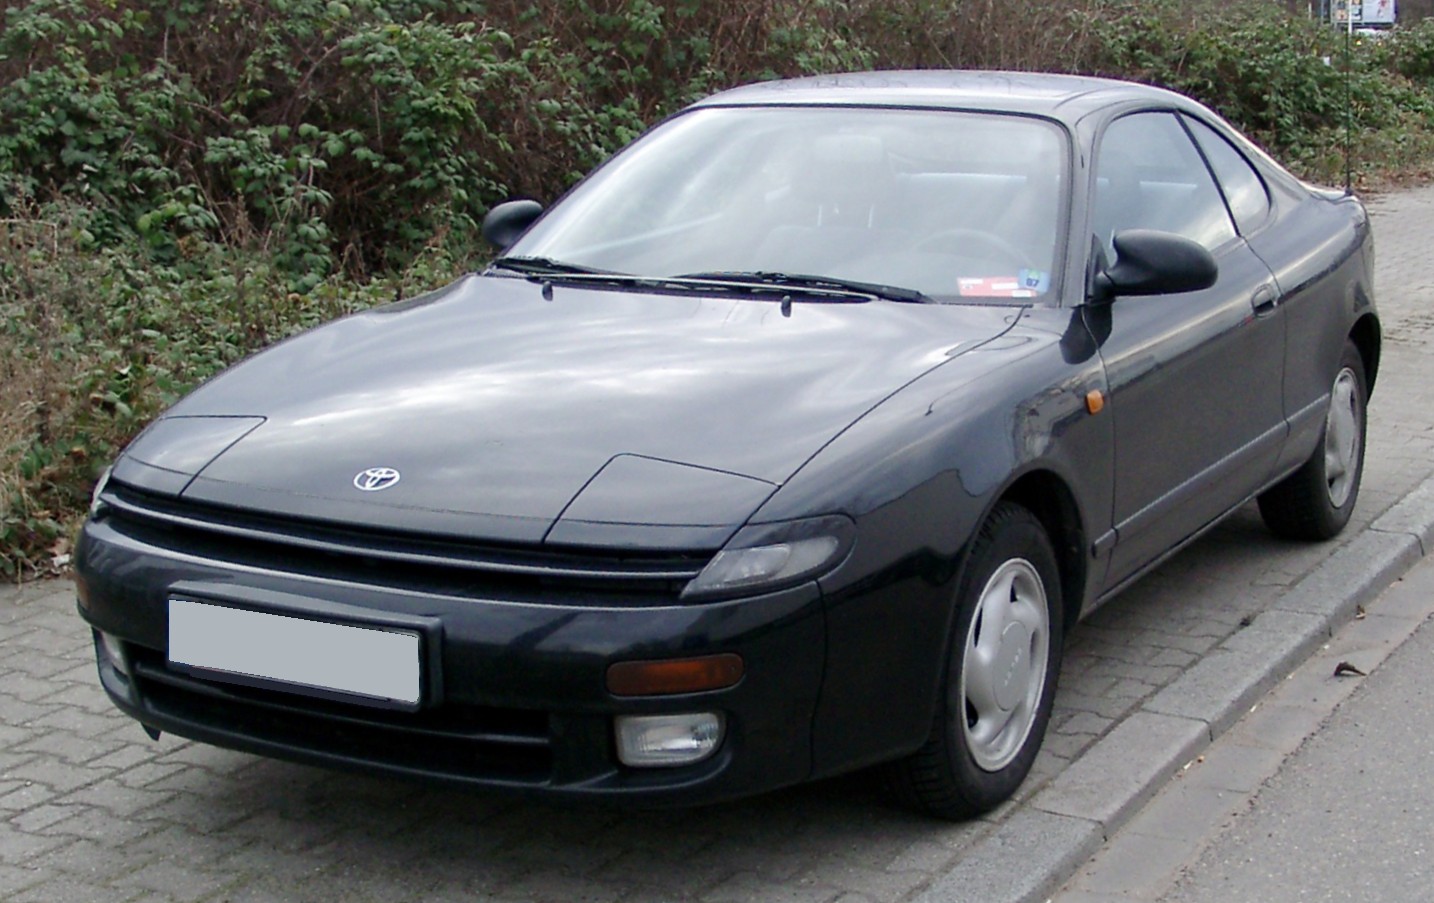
x,y
1120,773
1413,515
1353,575
1019,859
1028,856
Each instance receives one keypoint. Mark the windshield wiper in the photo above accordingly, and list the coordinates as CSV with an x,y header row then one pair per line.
x,y
541,266
547,268
801,281
547,271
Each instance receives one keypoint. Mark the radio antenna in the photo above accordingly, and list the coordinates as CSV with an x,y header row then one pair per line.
x,y
1349,96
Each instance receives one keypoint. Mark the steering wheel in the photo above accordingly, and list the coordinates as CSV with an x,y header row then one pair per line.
x,y
959,239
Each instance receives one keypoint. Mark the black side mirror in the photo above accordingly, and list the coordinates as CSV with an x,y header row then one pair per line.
x,y
1154,263
505,222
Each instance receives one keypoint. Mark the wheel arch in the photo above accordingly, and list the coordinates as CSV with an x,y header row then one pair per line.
x,y
1367,337
1046,495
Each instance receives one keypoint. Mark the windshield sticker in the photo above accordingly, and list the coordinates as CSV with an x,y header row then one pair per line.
x,y
1027,284
1038,281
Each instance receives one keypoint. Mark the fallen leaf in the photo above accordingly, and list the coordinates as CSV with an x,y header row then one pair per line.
x,y
1344,669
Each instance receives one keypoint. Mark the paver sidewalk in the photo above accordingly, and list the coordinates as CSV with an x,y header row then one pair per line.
x,y
90,809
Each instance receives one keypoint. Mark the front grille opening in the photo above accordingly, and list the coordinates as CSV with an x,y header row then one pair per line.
x,y
422,563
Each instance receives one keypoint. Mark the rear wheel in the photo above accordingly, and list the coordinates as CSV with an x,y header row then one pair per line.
x,y
1000,677
1316,501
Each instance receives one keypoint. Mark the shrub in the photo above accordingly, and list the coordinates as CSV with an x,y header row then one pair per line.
x,y
318,131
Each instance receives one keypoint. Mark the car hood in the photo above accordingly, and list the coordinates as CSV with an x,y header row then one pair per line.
x,y
582,416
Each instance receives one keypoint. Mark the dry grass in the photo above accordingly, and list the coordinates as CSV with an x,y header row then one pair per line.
x,y
30,377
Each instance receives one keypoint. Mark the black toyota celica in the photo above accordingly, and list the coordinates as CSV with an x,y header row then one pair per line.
x,y
790,441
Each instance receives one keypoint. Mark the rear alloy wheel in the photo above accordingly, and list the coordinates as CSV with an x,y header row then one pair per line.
x,y
1316,501
1000,677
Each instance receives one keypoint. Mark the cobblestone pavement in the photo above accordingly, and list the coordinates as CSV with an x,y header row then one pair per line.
x,y
90,809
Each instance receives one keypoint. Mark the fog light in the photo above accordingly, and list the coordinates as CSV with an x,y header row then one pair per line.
x,y
654,741
114,651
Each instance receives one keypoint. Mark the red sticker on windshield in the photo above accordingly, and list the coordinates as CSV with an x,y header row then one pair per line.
x,y
993,287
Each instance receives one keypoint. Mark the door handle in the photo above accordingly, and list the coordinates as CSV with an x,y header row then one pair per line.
x,y
1265,300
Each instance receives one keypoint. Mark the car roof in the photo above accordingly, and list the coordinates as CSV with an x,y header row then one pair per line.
x,y
1064,97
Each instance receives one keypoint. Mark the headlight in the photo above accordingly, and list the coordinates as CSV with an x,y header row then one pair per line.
x,y
771,556
99,490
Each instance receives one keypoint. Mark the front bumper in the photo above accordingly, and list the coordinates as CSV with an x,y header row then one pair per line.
x,y
514,695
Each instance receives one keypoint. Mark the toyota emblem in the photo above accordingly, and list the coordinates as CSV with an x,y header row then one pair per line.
x,y
376,478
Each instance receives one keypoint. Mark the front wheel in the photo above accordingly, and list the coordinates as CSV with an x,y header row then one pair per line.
x,y
1315,502
1000,677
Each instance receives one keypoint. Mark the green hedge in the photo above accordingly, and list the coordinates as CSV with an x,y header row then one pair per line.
x,y
353,132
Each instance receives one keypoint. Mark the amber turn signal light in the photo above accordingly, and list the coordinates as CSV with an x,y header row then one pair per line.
x,y
675,675
1094,401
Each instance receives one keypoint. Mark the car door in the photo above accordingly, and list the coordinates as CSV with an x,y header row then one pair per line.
x,y
1194,379
1298,236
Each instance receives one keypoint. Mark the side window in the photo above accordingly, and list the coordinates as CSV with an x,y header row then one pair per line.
x,y
1244,189
1149,176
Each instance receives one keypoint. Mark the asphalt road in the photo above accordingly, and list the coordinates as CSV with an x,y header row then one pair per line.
x,y
1351,815
90,809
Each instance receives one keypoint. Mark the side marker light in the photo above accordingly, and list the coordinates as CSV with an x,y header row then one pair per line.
x,y
669,677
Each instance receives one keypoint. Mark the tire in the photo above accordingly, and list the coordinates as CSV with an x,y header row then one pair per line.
x,y
1315,502
998,685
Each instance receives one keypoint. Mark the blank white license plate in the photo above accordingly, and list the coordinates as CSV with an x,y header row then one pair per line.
x,y
382,665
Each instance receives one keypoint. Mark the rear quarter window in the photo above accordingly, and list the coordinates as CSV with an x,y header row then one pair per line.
x,y
1244,190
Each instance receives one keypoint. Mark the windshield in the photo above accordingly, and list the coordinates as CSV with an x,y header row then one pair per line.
x,y
955,206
